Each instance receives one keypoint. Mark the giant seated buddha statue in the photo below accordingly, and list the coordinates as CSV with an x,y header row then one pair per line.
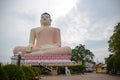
x,y
44,41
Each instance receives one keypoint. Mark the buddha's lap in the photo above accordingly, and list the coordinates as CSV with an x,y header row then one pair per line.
x,y
61,50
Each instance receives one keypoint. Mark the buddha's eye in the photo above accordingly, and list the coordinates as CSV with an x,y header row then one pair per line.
x,y
47,17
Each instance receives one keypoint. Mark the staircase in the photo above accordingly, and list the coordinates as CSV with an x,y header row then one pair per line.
x,y
45,69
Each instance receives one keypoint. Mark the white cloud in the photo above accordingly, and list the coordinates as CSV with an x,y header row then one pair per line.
x,y
6,55
79,26
100,54
60,8
73,26
35,7
103,28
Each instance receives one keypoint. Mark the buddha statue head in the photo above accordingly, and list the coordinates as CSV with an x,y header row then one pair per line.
x,y
45,19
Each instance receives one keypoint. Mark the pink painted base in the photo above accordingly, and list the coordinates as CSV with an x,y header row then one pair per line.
x,y
55,58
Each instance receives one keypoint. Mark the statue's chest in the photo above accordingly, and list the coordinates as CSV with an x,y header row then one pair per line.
x,y
46,33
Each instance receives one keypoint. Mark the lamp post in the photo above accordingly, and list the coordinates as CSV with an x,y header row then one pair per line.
x,y
19,58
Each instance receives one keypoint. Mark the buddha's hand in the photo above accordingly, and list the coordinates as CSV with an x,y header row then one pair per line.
x,y
28,49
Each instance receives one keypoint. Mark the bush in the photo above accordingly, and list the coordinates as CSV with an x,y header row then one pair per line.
x,y
29,73
3,74
82,68
36,70
77,69
14,72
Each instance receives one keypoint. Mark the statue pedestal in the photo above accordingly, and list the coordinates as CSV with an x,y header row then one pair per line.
x,y
48,59
57,60
54,62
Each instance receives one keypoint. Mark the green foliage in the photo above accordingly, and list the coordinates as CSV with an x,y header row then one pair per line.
x,y
29,73
36,70
116,62
14,72
3,74
110,62
77,69
114,42
82,67
79,53
113,61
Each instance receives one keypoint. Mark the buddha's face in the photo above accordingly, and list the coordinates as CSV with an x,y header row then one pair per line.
x,y
45,19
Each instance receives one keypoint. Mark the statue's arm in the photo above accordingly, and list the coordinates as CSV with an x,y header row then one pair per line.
x,y
31,40
58,38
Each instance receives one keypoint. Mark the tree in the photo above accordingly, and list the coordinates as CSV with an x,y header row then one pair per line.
x,y
109,62
113,62
116,63
79,53
114,42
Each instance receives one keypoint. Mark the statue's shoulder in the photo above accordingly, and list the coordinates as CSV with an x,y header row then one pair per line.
x,y
34,29
54,28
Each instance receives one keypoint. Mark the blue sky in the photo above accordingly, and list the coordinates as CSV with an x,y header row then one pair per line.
x,y
88,22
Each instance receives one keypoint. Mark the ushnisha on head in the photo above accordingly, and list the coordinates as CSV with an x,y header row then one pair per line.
x,y
45,19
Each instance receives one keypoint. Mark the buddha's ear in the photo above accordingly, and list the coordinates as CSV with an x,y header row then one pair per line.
x,y
50,20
